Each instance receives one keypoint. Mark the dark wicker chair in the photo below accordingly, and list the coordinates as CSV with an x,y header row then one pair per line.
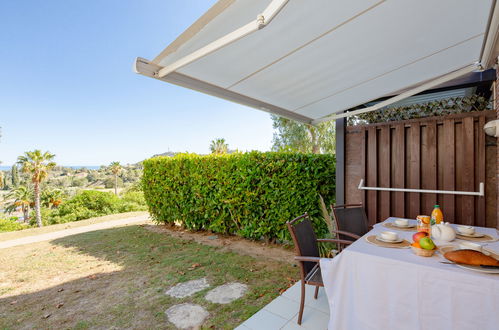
x,y
307,254
350,218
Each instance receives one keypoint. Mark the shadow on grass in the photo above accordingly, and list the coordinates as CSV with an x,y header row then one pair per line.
x,y
133,296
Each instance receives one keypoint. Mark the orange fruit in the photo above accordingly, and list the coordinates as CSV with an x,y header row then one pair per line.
x,y
426,220
416,244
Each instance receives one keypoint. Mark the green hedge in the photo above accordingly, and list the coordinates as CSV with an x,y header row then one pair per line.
x,y
251,195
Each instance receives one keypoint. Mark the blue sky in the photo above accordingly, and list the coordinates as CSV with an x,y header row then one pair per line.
x,y
67,86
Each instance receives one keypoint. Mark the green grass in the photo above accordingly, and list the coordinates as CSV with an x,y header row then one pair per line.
x,y
117,278
48,229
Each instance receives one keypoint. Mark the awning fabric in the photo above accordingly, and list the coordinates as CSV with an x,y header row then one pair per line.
x,y
318,58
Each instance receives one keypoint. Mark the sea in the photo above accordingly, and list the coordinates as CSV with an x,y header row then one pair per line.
x,y
74,167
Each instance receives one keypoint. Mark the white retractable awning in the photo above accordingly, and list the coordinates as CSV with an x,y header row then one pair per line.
x,y
312,60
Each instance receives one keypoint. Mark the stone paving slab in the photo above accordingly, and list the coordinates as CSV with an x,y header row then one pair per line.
x,y
186,289
226,293
187,316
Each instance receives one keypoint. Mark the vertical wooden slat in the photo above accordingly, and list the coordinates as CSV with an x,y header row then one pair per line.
x,y
429,167
449,172
481,167
415,169
399,169
372,175
468,175
384,172
363,160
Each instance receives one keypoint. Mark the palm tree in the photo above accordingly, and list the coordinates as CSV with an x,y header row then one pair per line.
x,y
21,196
51,197
115,168
38,165
219,147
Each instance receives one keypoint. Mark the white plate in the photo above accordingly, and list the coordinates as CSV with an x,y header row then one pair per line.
x,y
410,225
475,234
379,238
479,269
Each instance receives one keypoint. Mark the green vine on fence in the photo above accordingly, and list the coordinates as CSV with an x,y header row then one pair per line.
x,y
435,108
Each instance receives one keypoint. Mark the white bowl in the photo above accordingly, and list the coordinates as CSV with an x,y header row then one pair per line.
x,y
402,222
389,235
468,230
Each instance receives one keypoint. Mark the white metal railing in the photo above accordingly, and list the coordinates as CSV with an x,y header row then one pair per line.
x,y
428,191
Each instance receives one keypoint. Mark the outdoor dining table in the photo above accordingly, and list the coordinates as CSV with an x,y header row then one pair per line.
x,y
372,287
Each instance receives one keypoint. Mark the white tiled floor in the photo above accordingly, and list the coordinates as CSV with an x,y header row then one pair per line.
x,y
282,312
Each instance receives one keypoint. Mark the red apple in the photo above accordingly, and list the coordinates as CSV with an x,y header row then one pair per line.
x,y
419,235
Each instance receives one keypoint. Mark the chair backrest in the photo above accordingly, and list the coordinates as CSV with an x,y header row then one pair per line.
x,y
351,218
304,239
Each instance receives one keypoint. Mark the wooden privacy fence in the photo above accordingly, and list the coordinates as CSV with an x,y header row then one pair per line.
x,y
438,153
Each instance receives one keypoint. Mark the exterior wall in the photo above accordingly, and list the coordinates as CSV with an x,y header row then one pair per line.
x,y
449,153
496,106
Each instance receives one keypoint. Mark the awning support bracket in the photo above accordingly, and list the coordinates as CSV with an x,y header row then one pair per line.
x,y
260,22
404,95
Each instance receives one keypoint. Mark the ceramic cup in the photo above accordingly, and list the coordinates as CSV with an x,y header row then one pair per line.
x,y
468,230
389,235
402,222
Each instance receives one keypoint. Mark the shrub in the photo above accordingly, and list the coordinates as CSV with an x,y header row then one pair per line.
x,y
10,225
251,194
91,203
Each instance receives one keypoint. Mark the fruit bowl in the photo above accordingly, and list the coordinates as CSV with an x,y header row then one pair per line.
x,y
423,252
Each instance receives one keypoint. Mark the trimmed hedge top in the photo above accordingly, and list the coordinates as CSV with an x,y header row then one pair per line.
x,y
248,194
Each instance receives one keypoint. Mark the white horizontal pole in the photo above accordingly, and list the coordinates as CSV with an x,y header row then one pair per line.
x,y
427,191
260,22
404,95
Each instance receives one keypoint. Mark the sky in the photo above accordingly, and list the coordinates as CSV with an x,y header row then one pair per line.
x,y
67,84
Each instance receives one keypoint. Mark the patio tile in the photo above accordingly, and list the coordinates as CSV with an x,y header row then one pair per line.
x,y
292,325
265,320
320,303
294,292
283,307
312,319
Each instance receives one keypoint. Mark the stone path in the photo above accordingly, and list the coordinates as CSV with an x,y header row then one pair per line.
x,y
188,316
72,231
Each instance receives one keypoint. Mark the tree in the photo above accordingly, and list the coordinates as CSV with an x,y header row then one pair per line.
x,y
218,146
15,175
38,165
52,198
21,196
115,168
1,179
290,135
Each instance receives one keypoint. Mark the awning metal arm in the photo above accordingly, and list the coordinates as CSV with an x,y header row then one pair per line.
x,y
404,95
260,22
427,191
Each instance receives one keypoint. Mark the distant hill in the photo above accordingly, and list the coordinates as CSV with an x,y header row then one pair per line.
x,y
168,153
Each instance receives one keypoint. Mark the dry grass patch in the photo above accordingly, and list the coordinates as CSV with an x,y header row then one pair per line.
x,y
116,278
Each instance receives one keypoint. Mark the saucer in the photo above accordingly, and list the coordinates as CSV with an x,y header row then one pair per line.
x,y
379,238
475,234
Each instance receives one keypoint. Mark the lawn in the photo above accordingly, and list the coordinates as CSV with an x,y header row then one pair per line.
x,y
116,278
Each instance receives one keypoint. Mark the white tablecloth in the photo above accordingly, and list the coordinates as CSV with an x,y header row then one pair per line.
x,y
370,287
